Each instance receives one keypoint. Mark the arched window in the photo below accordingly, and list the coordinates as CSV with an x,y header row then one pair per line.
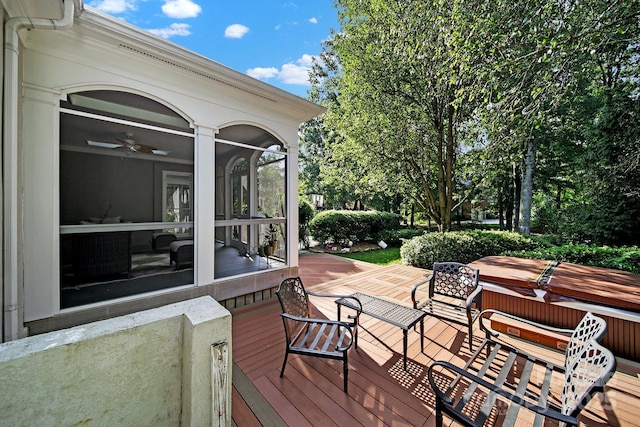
x,y
251,202
126,192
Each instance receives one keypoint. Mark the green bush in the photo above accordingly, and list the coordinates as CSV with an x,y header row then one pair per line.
x,y
468,246
335,226
461,246
622,258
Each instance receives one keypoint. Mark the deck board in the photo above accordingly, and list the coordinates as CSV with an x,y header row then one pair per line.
x,y
381,393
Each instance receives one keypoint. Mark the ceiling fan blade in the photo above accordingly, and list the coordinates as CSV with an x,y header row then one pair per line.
x,y
103,144
130,144
141,148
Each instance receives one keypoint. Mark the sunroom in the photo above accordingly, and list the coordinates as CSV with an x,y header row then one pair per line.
x,y
153,176
132,231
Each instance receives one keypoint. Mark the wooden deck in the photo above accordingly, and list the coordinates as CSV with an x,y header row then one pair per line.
x,y
381,393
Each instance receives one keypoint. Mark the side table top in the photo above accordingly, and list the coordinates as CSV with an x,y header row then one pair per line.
x,y
388,311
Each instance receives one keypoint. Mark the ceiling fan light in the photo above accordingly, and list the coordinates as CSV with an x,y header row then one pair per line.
x,y
161,152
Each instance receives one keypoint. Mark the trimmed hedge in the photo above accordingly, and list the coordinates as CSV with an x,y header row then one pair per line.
x,y
468,246
335,226
461,246
626,258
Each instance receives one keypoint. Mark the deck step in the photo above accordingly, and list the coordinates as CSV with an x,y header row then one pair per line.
x,y
263,411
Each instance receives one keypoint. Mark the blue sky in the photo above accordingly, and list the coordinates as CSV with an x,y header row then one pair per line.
x,y
271,40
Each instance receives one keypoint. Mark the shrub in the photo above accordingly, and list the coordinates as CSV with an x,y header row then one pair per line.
x,y
461,246
424,250
359,226
622,258
498,242
468,246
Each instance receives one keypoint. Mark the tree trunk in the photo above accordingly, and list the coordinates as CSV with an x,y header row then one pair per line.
x,y
508,193
449,162
527,188
446,153
500,208
413,212
442,204
515,201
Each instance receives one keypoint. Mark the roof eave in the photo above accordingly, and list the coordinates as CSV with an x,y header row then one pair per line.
x,y
303,109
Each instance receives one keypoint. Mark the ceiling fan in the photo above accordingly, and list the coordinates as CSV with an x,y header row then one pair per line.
x,y
129,144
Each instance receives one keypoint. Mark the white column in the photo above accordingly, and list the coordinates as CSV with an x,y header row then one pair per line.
x,y
41,201
204,171
292,205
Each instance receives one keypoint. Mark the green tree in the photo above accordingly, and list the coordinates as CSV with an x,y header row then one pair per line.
x,y
403,97
538,93
539,57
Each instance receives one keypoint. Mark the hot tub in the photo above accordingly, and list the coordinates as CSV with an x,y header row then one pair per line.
x,y
559,294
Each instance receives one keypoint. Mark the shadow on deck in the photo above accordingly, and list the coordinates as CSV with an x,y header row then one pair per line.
x,y
380,391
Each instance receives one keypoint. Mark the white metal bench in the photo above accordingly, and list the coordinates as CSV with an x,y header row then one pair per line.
x,y
499,380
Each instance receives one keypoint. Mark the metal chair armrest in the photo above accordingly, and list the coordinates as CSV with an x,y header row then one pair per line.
x,y
317,294
357,303
415,289
335,296
547,412
475,296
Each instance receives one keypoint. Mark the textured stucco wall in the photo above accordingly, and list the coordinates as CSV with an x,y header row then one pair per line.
x,y
147,368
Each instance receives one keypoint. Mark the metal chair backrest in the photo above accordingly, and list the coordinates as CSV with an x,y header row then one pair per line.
x,y
590,328
294,301
585,376
454,279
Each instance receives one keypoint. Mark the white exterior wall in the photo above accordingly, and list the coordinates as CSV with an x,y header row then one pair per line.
x,y
90,57
149,368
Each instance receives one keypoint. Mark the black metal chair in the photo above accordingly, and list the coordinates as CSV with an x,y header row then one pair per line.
x,y
457,282
311,336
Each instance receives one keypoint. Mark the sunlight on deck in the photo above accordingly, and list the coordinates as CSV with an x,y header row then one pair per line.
x,y
381,392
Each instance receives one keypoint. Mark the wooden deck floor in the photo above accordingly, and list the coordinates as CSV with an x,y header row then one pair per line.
x,y
381,393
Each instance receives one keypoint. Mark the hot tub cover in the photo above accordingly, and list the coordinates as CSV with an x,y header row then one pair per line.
x,y
563,280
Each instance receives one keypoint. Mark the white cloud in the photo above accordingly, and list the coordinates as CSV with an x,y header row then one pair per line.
x,y
175,29
305,60
114,6
181,9
262,73
236,31
313,20
291,73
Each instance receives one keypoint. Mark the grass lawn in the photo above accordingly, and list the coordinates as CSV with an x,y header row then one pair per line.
x,y
378,256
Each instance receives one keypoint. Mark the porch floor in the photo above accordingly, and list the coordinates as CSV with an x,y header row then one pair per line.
x,y
380,391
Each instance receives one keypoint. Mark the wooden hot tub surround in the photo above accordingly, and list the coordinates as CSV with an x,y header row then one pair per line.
x,y
559,294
